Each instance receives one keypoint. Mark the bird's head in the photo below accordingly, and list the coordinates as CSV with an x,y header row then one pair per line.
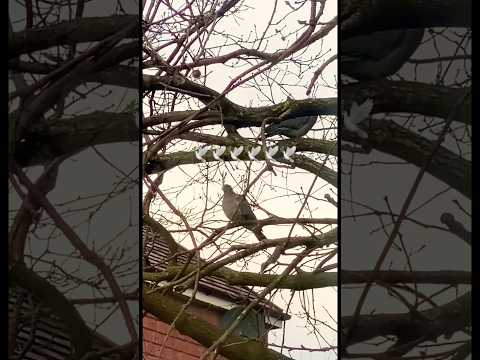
x,y
227,188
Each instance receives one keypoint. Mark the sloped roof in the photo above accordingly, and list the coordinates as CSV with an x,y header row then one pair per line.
x,y
45,337
157,252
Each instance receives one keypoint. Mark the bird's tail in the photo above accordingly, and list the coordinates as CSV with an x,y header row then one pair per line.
x,y
259,235
257,232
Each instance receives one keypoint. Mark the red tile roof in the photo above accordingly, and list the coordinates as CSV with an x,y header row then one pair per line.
x,y
157,252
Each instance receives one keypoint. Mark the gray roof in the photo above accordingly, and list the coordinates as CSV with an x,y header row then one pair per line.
x,y
41,334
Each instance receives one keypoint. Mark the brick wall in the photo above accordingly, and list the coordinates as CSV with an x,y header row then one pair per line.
x,y
177,346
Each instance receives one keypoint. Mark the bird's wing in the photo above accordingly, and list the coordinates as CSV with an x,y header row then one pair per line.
x,y
229,205
245,212
374,46
310,121
280,128
290,126
294,123
307,123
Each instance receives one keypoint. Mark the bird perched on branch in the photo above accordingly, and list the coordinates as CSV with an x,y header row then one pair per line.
x,y
379,54
293,128
237,209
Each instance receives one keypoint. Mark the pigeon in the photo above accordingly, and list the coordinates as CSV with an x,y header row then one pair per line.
x,y
237,209
379,54
293,128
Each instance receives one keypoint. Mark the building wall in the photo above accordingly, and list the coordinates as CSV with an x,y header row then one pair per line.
x,y
177,346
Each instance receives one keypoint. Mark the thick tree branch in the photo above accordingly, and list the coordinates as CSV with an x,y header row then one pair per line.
x,y
409,97
280,221
403,277
456,227
181,85
300,281
169,161
428,324
68,33
364,16
124,76
69,136
388,137
166,308
243,251
231,111
78,331
65,78
302,144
